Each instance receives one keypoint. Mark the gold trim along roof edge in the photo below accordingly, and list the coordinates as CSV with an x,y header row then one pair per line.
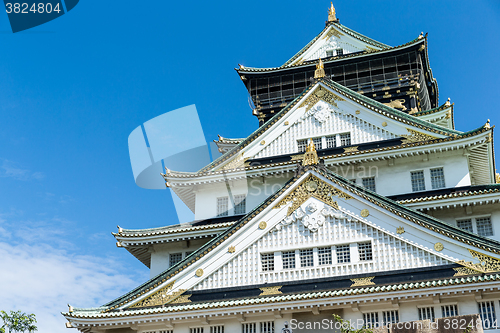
x,y
96,313
175,174
129,233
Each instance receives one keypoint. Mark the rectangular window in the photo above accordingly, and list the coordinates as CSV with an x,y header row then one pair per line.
x,y
267,327
325,255
317,143
222,206
370,319
240,201
345,139
465,224
288,259
217,329
488,315
343,254
302,145
196,330
449,310
365,251
390,317
175,258
267,261
329,53
484,227
249,328
306,258
331,142
426,313
437,178
417,181
369,183
340,52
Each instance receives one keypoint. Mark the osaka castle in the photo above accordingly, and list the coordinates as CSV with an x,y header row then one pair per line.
x,y
355,196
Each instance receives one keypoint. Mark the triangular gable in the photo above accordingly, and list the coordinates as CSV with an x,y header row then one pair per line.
x,y
327,109
442,116
318,227
424,232
334,36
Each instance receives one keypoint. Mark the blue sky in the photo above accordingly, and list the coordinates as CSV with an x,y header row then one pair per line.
x,y
73,89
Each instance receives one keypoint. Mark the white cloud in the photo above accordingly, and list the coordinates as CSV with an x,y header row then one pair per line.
x,y
41,279
13,170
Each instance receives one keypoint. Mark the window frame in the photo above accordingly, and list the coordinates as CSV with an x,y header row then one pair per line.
x,y
218,211
367,253
239,204
291,257
416,182
270,262
374,183
475,229
433,186
480,312
306,260
344,256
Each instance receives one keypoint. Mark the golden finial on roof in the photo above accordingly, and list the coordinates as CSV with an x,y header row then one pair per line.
x,y
447,102
331,13
320,70
310,156
487,125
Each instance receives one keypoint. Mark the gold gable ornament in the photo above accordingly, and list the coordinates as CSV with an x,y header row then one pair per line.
x,y
310,156
320,70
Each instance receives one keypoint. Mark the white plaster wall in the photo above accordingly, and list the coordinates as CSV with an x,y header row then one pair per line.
x,y
160,255
391,177
389,253
451,215
257,190
394,176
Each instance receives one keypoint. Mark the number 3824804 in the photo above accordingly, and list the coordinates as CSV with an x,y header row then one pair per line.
x,y
35,8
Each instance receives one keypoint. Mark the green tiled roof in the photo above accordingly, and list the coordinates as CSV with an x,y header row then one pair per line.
x,y
421,219
381,108
98,312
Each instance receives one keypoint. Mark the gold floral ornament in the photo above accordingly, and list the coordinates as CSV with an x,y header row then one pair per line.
x,y
400,230
321,94
160,297
415,136
199,272
462,271
365,212
320,190
270,290
231,249
365,281
487,264
438,247
262,225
